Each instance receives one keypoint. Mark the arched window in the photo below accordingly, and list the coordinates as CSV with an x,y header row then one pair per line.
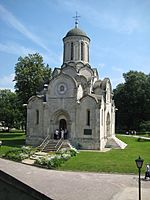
x,y
37,116
72,51
88,118
82,50
108,93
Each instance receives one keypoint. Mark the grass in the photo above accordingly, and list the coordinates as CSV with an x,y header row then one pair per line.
x,y
11,141
114,161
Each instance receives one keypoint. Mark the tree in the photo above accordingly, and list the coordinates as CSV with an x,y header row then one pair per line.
x,y
9,113
132,100
30,76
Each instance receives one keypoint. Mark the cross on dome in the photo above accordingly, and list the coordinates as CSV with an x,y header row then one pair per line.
x,y
76,20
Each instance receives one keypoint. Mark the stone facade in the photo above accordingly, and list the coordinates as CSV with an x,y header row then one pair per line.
x,y
75,100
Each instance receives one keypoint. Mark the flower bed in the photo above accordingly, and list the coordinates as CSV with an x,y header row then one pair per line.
x,y
19,154
55,160
50,160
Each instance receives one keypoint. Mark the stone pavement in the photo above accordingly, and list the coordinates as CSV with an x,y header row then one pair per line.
x,y
60,185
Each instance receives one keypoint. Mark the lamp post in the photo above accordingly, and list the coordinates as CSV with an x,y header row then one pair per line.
x,y
139,163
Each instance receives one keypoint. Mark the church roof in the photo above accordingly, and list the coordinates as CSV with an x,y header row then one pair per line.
x,y
76,32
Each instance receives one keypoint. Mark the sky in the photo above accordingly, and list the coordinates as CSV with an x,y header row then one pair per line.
x,y
119,31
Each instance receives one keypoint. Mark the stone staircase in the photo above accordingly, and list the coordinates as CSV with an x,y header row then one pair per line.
x,y
50,145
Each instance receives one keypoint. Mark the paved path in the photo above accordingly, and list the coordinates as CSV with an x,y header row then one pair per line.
x,y
77,186
138,136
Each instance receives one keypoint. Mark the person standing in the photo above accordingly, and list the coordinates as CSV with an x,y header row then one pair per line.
x,y
62,133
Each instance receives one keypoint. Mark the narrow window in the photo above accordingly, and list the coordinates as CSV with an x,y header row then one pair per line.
x,y
37,116
72,51
88,118
64,56
102,118
88,53
82,50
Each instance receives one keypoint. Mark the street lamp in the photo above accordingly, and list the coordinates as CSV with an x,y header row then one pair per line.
x,y
139,163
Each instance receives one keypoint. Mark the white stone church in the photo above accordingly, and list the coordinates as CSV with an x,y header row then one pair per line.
x,y
75,100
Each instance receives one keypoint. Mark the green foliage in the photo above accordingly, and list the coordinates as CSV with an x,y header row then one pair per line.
x,y
132,100
145,126
9,112
56,160
30,75
19,154
16,155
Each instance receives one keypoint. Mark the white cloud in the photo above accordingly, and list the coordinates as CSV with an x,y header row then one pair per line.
x,y
118,69
16,49
6,82
10,19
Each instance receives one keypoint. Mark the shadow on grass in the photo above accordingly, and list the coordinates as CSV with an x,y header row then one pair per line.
x,y
143,140
14,143
10,135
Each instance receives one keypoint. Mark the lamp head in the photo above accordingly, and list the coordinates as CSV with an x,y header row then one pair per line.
x,y
139,162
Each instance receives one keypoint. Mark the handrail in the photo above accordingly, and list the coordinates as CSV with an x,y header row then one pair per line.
x,y
58,142
59,147
44,141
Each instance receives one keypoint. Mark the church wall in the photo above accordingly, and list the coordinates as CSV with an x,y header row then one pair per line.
x,y
108,112
113,120
60,108
79,92
35,122
87,133
54,89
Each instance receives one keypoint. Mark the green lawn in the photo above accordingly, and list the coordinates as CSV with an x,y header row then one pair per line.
x,y
119,161
11,140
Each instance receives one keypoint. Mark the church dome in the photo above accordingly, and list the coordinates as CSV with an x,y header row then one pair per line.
x,y
76,32
76,46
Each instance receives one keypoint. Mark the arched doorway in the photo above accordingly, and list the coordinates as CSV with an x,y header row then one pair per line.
x,y
61,119
62,124
63,127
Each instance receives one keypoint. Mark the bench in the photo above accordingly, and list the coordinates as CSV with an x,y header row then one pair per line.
x,y
147,173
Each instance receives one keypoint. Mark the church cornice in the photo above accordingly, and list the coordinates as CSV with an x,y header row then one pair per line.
x,y
97,98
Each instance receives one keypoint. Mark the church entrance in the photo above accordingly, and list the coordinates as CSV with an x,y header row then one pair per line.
x,y
62,124
63,129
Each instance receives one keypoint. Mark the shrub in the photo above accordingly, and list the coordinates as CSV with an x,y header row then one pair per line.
x,y
66,156
55,160
73,152
41,161
16,155
51,161
19,154
145,126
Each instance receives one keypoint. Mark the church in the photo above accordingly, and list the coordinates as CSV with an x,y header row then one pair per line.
x,y
76,102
